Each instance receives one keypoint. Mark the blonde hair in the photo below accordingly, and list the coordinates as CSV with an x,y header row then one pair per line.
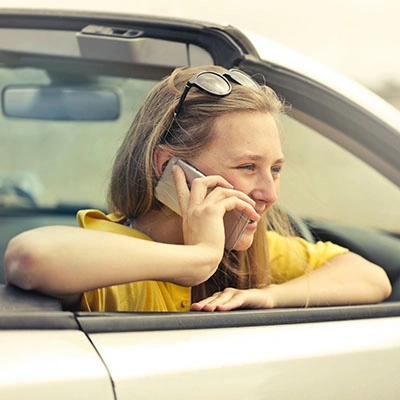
x,y
133,180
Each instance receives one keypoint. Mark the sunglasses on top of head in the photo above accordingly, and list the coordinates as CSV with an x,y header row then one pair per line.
x,y
216,84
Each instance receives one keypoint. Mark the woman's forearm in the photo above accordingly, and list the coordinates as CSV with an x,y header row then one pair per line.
x,y
343,280
62,261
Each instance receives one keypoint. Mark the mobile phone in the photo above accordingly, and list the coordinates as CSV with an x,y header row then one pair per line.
x,y
235,222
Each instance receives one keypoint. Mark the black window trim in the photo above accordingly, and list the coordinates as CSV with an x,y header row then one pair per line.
x,y
365,134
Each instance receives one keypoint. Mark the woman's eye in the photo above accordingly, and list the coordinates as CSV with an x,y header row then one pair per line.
x,y
250,167
276,170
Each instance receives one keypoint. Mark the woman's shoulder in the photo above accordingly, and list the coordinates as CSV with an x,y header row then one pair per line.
x,y
99,220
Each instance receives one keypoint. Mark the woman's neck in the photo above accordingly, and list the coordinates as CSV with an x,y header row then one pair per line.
x,y
161,225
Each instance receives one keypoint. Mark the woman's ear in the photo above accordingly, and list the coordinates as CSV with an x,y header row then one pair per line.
x,y
161,157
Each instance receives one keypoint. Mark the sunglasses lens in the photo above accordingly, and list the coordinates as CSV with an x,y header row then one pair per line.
x,y
242,79
213,83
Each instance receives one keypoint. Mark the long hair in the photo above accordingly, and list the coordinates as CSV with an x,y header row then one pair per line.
x,y
133,180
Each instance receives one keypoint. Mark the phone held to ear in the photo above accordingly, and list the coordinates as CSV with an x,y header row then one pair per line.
x,y
235,221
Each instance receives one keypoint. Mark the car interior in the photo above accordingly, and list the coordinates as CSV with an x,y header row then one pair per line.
x,y
69,94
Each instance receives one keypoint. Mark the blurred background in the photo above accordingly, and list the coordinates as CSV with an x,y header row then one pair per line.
x,y
358,38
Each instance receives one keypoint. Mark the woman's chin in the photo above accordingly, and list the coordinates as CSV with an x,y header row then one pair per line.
x,y
245,241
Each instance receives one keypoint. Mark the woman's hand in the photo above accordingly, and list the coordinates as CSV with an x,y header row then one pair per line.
x,y
231,299
343,280
204,206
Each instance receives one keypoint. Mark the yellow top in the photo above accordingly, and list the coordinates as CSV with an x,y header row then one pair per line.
x,y
290,257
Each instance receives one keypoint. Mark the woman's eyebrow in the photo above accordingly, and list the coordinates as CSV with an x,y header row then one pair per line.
x,y
257,157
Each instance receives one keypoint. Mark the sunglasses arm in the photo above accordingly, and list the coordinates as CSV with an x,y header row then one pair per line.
x,y
182,99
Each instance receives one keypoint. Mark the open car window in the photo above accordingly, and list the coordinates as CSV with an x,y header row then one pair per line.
x,y
323,181
341,168
70,86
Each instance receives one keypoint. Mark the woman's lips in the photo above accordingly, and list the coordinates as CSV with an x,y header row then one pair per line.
x,y
251,226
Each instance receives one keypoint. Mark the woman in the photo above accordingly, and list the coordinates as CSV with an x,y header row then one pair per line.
x,y
145,257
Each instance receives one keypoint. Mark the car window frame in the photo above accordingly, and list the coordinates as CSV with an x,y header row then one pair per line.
x,y
315,104
339,119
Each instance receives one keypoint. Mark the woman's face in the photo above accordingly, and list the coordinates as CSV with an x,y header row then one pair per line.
x,y
247,152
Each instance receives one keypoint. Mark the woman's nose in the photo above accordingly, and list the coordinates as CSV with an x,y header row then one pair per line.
x,y
266,190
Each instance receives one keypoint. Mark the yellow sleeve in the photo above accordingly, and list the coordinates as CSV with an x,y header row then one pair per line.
x,y
134,296
97,220
291,257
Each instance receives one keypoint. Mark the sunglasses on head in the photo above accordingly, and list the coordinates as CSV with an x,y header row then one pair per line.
x,y
215,84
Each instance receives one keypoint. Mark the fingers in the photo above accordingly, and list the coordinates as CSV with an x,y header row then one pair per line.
x,y
202,185
181,186
229,299
212,190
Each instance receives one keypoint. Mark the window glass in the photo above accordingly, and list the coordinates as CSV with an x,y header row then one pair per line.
x,y
69,162
321,180
63,162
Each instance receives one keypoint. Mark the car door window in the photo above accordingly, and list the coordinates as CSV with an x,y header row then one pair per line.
x,y
322,180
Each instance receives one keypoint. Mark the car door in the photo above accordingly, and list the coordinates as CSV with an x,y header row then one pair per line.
x,y
279,354
44,353
337,352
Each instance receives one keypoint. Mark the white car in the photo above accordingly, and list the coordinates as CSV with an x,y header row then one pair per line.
x,y
70,84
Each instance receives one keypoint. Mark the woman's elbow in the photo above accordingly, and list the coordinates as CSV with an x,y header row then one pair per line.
x,y
383,285
369,281
22,262
377,283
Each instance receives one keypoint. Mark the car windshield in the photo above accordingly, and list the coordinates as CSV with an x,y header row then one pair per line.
x,y
54,157
61,128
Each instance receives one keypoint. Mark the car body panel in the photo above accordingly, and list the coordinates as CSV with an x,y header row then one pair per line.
x,y
58,364
328,360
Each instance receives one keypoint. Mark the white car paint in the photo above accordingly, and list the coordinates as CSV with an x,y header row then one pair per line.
x,y
60,365
207,364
